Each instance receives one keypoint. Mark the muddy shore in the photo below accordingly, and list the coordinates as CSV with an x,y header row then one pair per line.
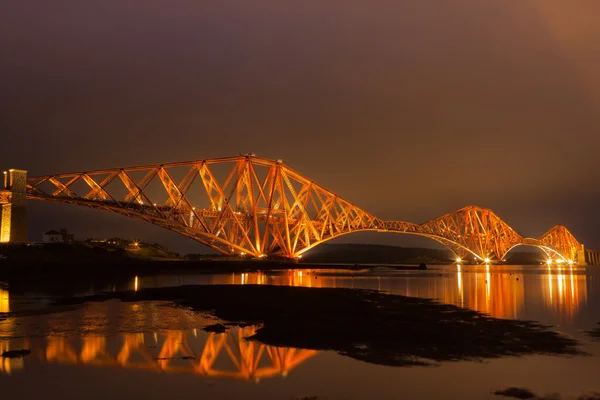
x,y
366,325
70,273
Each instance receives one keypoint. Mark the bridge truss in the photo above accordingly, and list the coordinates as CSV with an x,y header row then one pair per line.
x,y
252,206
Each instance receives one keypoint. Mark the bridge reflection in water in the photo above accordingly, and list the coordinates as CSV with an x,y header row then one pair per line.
x,y
560,291
499,293
546,294
223,355
4,301
7,365
565,292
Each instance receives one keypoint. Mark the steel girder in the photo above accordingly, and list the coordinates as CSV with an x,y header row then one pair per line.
x,y
477,229
561,241
481,233
261,207
468,231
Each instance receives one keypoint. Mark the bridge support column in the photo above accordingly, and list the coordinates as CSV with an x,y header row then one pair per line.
x,y
593,257
13,205
581,256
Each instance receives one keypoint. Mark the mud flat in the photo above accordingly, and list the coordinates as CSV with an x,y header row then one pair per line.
x,y
363,324
595,333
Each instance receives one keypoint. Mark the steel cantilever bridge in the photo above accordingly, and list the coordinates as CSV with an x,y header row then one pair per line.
x,y
257,207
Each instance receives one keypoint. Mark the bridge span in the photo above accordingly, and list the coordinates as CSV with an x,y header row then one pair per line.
x,y
256,207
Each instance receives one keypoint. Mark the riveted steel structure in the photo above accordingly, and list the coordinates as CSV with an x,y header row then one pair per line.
x,y
253,206
479,232
476,230
259,207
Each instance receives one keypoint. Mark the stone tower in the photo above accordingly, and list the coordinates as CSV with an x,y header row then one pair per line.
x,y
13,201
581,259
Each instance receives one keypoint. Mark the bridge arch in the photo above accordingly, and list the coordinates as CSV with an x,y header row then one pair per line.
x,y
550,253
457,249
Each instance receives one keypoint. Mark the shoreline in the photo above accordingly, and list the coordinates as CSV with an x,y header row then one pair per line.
x,y
367,325
24,272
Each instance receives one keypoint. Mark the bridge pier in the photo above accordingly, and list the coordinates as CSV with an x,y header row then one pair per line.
x,y
582,258
593,257
588,257
13,207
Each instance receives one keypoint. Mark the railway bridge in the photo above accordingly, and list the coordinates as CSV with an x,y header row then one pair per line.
x,y
257,207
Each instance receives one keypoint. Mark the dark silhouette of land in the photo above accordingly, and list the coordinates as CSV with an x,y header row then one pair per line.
x,y
376,254
363,324
113,258
380,254
523,393
595,333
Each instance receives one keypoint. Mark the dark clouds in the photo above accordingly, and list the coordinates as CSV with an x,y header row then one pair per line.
x,y
409,109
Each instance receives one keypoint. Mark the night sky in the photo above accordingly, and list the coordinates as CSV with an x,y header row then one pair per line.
x,y
409,109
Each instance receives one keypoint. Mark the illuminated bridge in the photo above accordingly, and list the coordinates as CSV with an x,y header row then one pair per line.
x,y
256,207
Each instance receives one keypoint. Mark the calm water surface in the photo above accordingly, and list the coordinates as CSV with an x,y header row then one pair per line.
x,y
154,350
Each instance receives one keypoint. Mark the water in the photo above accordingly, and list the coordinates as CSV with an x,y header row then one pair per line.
x,y
154,350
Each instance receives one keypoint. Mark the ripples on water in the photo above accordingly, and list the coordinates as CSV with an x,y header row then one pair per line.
x,y
150,336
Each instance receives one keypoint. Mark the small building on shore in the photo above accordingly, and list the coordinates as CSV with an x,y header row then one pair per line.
x,y
54,236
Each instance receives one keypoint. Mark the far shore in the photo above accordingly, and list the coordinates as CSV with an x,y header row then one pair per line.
x,y
33,271
114,259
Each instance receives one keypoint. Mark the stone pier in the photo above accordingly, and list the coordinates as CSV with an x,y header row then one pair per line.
x,y
13,207
588,257
593,257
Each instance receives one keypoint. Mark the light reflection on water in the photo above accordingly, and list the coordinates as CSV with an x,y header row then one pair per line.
x,y
8,365
217,355
4,301
143,336
554,294
149,337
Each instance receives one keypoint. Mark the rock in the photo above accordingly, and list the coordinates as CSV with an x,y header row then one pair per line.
x,y
216,328
517,393
16,353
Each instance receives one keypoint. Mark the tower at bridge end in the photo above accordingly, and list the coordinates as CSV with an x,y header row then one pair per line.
x,y
13,207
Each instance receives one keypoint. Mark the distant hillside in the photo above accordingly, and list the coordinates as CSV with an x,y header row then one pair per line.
x,y
109,250
381,254
375,254
525,258
151,251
